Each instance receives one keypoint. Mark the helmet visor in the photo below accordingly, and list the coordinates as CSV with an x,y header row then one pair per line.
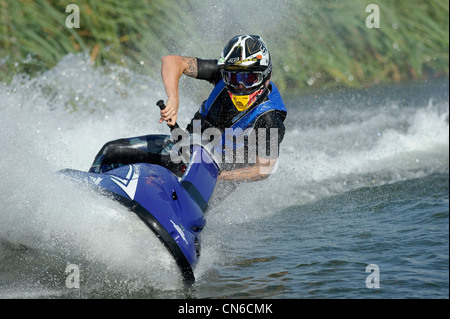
x,y
246,79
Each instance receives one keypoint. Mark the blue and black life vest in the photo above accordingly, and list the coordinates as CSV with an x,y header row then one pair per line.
x,y
241,121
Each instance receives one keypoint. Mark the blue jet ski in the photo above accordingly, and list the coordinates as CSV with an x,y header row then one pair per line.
x,y
171,206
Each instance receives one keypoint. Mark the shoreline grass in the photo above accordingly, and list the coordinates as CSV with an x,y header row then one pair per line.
x,y
327,43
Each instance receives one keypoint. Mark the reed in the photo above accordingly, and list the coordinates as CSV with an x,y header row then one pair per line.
x,y
327,42
34,32
330,44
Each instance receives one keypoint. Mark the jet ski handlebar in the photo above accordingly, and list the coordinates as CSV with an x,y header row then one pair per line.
x,y
184,139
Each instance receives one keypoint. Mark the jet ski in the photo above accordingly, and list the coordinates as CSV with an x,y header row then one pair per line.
x,y
171,206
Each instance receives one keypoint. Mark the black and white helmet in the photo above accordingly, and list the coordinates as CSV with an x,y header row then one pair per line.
x,y
246,66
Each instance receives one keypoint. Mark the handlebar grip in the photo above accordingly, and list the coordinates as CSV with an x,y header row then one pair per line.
x,y
161,105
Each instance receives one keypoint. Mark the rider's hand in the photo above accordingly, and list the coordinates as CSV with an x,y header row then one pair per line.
x,y
170,113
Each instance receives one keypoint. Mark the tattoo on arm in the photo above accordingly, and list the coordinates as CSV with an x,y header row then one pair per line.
x,y
192,69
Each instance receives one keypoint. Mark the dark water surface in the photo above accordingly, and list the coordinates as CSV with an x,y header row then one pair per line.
x,y
362,180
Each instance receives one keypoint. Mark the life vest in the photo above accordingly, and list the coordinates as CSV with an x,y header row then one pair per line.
x,y
245,120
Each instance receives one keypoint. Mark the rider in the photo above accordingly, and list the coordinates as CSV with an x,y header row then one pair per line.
x,y
244,100
244,106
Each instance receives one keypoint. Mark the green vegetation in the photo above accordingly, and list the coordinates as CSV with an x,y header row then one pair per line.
x,y
327,42
34,32
411,43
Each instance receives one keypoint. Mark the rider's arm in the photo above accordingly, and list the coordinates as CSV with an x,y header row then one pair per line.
x,y
261,170
172,67
267,153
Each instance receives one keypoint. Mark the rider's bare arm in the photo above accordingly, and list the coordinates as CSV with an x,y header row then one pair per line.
x,y
261,170
172,68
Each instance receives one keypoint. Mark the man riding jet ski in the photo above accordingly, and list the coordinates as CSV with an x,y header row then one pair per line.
x,y
245,109
167,180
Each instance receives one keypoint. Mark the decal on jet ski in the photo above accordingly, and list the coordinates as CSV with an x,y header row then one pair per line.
x,y
180,231
95,180
128,184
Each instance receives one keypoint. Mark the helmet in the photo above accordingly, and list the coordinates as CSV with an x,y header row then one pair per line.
x,y
246,68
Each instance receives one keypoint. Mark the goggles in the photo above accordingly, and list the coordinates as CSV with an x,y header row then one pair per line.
x,y
247,79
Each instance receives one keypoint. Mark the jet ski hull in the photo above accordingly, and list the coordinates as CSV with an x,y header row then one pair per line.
x,y
161,202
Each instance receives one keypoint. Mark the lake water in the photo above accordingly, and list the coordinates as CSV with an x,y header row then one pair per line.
x,y
358,208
